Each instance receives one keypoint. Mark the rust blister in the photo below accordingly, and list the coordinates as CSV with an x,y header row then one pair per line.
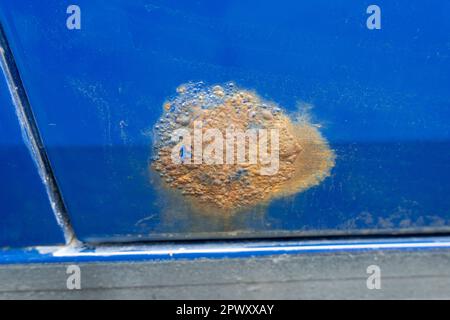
x,y
277,156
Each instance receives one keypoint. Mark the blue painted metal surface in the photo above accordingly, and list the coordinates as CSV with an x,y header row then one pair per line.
x,y
216,250
26,217
382,97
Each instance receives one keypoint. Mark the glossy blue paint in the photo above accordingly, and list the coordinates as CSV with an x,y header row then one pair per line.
x,y
381,97
26,217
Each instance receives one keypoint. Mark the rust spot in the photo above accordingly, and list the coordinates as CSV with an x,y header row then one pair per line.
x,y
224,187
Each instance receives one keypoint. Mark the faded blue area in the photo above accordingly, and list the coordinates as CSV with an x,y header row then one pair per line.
x,y
26,218
382,98
170,251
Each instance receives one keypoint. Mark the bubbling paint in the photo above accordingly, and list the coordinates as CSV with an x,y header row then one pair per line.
x,y
298,151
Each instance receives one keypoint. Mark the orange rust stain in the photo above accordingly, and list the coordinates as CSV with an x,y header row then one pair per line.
x,y
305,158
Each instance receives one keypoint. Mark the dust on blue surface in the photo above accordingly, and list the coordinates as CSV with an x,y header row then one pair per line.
x,y
382,98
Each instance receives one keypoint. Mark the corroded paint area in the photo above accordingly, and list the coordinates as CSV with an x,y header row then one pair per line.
x,y
303,156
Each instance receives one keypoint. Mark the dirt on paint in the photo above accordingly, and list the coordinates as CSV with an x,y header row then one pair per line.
x,y
224,187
